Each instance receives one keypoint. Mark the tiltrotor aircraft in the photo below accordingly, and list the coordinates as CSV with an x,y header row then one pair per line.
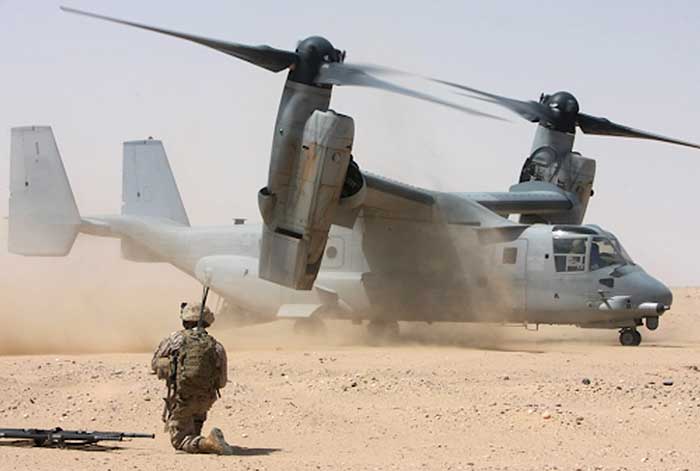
x,y
339,242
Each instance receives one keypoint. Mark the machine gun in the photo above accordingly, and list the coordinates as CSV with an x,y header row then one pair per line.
x,y
171,382
62,438
205,294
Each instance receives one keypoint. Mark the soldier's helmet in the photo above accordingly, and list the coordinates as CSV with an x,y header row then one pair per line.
x,y
189,312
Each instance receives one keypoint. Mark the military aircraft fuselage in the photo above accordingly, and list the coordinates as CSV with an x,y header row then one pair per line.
x,y
337,241
542,274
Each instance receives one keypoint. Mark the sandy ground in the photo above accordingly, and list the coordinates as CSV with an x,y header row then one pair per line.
x,y
444,397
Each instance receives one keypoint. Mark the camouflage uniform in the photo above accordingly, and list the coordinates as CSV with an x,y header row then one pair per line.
x,y
187,414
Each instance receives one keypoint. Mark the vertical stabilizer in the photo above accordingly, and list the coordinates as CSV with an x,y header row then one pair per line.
x,y
148,185
44,218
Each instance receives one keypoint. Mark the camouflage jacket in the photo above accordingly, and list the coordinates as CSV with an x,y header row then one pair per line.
x,y
173,342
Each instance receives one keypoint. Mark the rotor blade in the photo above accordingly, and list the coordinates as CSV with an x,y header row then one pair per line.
x,y
263,56
604,127
337,73
530,110
381,69
515,107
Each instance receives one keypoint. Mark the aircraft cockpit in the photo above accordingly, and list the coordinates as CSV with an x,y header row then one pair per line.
x,y
586,248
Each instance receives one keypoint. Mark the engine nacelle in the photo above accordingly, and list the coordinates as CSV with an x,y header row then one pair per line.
x,y
553,162
298,217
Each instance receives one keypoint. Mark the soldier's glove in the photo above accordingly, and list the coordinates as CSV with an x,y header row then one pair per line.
x,y
163,368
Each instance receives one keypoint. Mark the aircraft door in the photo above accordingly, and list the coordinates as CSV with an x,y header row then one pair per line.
x,y
572,286
512,260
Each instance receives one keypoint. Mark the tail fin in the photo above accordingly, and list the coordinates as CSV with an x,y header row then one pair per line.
x,y
148,185
44,218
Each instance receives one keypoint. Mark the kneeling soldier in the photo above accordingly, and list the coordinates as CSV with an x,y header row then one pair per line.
x,y
194,366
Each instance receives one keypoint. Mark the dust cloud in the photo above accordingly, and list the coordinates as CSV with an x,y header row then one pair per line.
x,y
92,301
89,301
343,334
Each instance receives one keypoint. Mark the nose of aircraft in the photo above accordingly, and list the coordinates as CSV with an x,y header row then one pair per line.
x,y
657,292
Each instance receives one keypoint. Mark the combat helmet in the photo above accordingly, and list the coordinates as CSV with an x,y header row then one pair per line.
x,y
189,312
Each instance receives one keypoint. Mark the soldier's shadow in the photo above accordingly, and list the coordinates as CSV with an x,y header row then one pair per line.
x,y
243,451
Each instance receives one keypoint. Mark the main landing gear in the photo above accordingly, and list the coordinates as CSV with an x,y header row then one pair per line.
x,y
630,337
383,330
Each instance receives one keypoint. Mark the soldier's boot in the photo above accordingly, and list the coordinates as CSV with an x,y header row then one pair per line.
x,y
215,443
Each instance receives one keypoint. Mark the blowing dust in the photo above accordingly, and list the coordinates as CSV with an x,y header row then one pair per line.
x,y
92,301
89,301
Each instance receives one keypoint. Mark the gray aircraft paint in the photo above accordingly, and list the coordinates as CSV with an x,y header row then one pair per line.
x,y
444,263
425,251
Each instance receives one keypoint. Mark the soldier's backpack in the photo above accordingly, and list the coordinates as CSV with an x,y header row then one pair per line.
x,y
196,372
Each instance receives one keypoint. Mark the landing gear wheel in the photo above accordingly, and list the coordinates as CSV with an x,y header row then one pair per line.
x,y
310,326
637,338
630,337
383,330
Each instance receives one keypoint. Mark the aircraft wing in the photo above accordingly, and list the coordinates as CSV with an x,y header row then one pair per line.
x,y
387,186
522,202
387,198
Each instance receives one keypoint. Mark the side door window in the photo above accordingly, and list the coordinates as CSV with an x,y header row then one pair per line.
x,y
570,254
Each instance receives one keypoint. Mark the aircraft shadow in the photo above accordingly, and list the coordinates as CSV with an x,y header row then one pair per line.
x,y
659,345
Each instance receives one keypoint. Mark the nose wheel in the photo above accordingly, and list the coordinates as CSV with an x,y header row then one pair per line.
x,y
630,337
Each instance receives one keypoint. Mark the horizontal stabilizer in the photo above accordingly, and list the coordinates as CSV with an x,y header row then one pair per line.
x,y
44,218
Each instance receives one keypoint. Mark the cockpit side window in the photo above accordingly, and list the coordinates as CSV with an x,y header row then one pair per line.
x,y
570,254
605,253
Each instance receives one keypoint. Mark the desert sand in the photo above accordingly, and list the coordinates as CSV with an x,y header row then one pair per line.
x,y
74,345
443,397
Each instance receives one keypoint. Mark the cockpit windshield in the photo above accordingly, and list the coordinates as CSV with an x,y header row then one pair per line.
x,y
571,252
606,252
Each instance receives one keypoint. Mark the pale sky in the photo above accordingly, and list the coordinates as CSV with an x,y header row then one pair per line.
x,y
635,62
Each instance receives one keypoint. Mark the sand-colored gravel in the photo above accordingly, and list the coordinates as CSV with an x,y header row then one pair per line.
x,y
444,397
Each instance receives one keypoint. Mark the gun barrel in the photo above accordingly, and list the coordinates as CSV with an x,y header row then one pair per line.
x,y
139,435
17,433
119,436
